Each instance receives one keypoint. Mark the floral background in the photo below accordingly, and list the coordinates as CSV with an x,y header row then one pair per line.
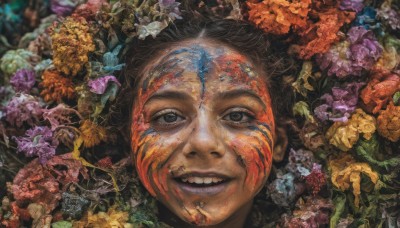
x,y
61,163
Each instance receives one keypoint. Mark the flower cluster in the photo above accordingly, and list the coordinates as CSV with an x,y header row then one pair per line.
x,y
64,163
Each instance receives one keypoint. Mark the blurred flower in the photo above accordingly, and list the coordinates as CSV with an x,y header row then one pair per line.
x,y
89,9
301,108
99,85
171,8
345,135
56,87
37,142
300,162
105,162
110,60
14,60
367,19
302,85
311,135
6,93
279,16
389,122
360,51
66,135
314,212
380,90
340,104
389,15
72,42
391,54
23,108
23,80
63,7
152,28
92,133
347,172
60,115
353,5
109,219
316,179
282,190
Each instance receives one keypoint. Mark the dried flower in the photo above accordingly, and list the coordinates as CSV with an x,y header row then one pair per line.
x,y
105,162
340,104
389,15
302,85
282,190
99,85
379,90
23,108
389,122
66,135
63,7
72,43
89,9
311,136
312,213
300,162
55,87
110,60
37,142
170,8
23,80
73,205
338,61
113,218
391,56
301,108
279,16
353,5
316,179
345,135
92,133
59,115
14,60
347,172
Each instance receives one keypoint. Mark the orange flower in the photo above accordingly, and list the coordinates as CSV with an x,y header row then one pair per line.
x,y
56,87
380,90
92,134
71,43
389,122
279,16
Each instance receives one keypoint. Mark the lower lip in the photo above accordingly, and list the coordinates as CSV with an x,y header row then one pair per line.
x,y
205,191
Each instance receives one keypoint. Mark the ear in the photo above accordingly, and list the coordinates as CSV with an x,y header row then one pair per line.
x,y
280,144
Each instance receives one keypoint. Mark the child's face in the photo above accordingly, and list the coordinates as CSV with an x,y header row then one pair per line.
x,y
202,131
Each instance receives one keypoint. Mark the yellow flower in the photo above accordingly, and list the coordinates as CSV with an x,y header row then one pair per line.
x,y
111,219
92,134
347,172
71,44
345,135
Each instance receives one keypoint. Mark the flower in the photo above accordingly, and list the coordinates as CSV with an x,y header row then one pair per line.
x,y
171,8
73,205
316,179
89,9
109,219
345,135
56,87
300,162
14,60
340,103
390,57
279,16
353,5
110,60
37,142
360,51
380,90
389,122
389,15
63,7
311,135
282,190
23,108
60,115
92,133
347,172
72,42
99,85
23,80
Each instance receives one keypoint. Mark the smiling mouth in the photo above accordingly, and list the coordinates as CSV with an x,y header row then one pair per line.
x,y
204,184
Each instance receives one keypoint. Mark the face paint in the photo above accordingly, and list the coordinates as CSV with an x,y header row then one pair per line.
x,y
202,132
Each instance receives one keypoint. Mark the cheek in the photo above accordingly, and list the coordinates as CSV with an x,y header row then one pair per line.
x,y
254,153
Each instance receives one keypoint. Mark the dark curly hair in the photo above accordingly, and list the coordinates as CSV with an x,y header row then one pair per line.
x,y
239,35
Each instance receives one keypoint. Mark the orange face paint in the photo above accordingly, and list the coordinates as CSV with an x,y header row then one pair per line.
x,y
202,128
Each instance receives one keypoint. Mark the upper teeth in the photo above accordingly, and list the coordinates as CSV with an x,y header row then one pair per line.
x,y
202,180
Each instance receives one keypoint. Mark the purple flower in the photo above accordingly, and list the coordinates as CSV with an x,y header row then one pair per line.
x,y
23,108
23,80
353,5
300,162
340,103
99,85
360,51
62,7
171,8
390,16
37,142
365,49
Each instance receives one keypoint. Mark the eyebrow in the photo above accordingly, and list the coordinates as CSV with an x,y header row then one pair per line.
x,y
175,95
240,93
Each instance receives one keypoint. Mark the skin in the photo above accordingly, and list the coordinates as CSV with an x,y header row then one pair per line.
x,y
203,107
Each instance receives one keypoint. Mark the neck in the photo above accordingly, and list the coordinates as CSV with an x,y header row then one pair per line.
x,y
236,220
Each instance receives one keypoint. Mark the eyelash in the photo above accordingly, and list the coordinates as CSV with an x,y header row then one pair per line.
x,y
157,118
250,117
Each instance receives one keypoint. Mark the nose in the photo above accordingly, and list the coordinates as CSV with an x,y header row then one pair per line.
x,y
205,139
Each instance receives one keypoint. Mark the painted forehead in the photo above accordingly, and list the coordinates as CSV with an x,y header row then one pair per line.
x,y
204,61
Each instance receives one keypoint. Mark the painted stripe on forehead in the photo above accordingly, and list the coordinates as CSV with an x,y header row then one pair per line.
x,y
200,59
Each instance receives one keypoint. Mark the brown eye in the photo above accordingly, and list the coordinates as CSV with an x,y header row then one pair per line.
x,y
238,117
167,118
